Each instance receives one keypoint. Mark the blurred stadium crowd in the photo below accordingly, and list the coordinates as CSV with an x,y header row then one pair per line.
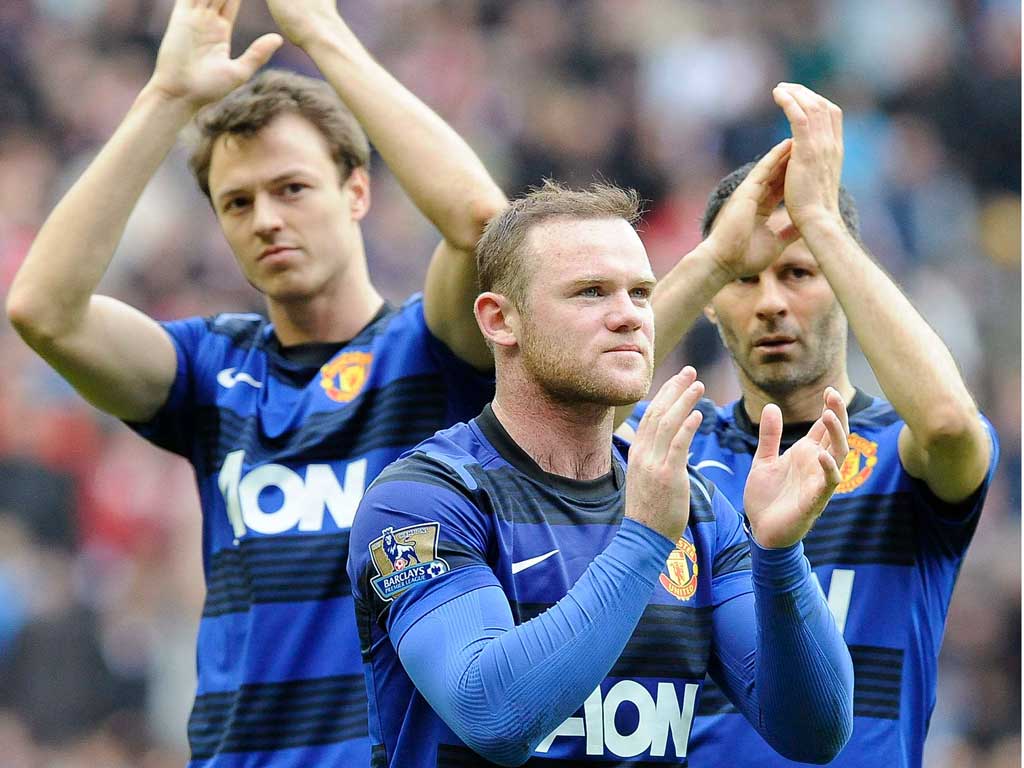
x,y
100,572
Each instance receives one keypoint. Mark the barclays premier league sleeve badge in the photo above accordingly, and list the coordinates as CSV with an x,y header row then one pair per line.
x,y
404,558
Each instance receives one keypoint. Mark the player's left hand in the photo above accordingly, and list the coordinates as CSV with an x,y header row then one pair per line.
x,y
811,192
785,494
303,21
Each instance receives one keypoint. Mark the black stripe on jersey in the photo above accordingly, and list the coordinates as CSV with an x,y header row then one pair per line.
x,y
450,756
517,499
876,529
402,413
378,756
877,674
669,641
271,716
731,559
278,569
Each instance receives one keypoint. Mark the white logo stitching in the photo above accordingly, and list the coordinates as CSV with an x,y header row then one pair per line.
x,y
711,463
228,378
522,565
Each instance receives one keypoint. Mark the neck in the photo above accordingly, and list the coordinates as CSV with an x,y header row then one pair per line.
x,y
799,404
337,313
573,441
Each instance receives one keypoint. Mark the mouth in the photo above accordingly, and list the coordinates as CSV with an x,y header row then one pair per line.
x,y
627,348
275,250
775,344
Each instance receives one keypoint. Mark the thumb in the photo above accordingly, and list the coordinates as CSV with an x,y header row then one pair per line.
x,y
769,433
259,53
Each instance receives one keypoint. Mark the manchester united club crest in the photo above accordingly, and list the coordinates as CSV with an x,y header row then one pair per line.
x,y
860,462
344,376
681,579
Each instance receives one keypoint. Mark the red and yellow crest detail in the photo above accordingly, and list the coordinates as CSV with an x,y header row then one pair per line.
x,y
859,463
681,581
343,378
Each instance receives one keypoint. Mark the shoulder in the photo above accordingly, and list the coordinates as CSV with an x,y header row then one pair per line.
x,y
449,459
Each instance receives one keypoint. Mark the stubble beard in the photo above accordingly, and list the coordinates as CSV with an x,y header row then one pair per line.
x,y
567,382
780,378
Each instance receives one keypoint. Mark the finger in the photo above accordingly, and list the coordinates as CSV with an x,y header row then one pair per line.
x,y
817,431
835,403
229,9
218,5
679,450
799,123
259,53
829,466
765,167
769,433
672,421
837,443
814,105
660,403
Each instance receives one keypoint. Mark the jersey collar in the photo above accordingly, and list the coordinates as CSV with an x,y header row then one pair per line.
x,y
794,431
509,450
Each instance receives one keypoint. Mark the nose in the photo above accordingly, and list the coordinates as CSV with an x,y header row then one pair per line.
x,y
624,314
266,221
770,301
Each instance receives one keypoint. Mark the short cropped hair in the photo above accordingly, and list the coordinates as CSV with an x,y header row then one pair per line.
x,y
723,191
247,110
500,254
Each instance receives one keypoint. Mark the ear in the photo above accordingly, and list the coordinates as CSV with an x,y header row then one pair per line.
x,y
358,184
710,314
497,319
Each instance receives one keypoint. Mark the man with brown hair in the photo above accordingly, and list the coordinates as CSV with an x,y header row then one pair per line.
x,y
522,595
286,420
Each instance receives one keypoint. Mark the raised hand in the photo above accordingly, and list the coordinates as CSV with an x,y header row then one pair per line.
x,y
657,483
742,244
785,494
194,62
301,21
816,159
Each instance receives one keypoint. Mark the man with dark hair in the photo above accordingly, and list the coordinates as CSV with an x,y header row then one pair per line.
x,y
286,420
550,579
890,543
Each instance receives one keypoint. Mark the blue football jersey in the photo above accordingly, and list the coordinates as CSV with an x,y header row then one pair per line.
x,y
470,497
283,449
887,553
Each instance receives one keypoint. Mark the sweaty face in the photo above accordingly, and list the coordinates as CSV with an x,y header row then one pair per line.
x,y
784,327
290,221
586,331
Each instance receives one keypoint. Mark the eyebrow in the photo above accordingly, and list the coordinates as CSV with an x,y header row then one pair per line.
x,y
644,282
290,173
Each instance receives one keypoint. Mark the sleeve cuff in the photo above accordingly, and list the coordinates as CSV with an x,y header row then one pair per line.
x,y
641,549
778,570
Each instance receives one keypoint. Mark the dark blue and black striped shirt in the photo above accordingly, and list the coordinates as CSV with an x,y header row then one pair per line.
x,y
283,449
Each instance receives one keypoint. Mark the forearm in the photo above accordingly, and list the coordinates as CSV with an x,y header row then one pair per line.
x,y
437,169
51,291
913,366
681,295
504,688
796,684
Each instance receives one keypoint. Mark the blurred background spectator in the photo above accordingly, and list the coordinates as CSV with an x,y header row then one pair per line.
x,y
100,573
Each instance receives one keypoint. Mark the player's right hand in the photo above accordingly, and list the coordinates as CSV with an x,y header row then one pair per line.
x,y
194,63
657,483
740,241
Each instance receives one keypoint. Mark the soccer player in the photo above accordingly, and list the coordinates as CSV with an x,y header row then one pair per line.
x,y
890,543
520,592
286,420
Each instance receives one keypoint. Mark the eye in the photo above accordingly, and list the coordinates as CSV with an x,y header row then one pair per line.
x,y
293,188
591,292
749,280
235,204
642,293
799,273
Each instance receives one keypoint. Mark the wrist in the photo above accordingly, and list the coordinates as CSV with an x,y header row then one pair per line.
x,y
713,260
171,105
330,36
816,224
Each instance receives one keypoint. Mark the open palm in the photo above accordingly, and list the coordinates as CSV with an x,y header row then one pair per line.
x,y
786,493
194,62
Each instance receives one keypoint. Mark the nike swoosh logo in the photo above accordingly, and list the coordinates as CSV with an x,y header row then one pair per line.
x,y
711,463
228,378
522,565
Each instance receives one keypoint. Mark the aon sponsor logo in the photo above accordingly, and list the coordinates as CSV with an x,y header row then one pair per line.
x,y
656,717
305,499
